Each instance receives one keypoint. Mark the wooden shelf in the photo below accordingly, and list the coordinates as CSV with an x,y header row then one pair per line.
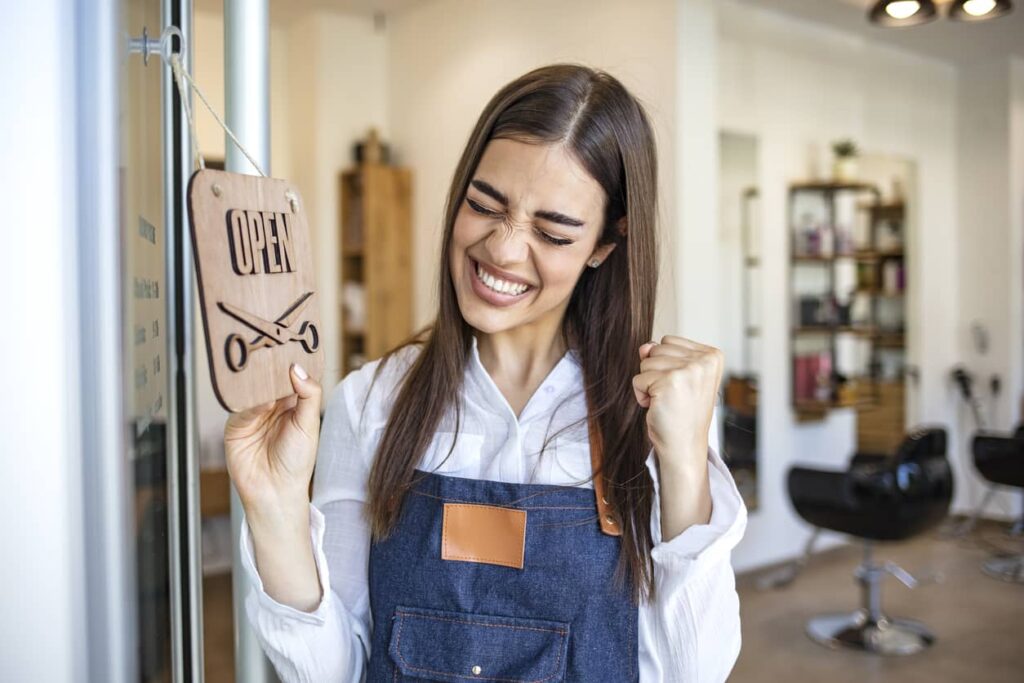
x,y
883,207
874,291
859,255
376,238
835,329
831,186
812,258
876,255
814,366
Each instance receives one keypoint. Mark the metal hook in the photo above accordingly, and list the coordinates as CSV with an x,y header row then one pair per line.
x,y
146,45
166,46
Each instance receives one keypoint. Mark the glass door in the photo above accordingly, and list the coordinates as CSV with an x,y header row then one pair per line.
x,y
145,287
153,168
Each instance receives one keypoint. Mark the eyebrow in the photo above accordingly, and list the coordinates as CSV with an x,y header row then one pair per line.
x,y
498,196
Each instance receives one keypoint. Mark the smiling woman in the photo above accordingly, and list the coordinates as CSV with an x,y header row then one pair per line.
x,y
443,542
508,248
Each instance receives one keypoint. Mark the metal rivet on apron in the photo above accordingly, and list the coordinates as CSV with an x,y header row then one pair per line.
x,y
216,190
605,500
477,670
609,519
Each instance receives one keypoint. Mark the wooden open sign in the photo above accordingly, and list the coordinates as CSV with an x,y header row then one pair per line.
x,y
257,288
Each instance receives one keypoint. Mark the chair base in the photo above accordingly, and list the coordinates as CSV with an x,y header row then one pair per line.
x,y
1009,569
854,630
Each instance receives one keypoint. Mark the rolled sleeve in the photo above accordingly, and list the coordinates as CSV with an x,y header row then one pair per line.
x,y
704,541
271,608
691,630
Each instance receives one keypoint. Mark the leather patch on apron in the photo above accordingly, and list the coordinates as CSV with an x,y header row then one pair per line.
x,y
483,533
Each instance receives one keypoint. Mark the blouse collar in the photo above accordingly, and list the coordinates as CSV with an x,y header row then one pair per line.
x,y
565,377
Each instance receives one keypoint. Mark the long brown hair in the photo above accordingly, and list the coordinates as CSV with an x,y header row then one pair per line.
x,y
609,316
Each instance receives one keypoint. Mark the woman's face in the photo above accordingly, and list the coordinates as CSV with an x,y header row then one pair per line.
x,y
524,232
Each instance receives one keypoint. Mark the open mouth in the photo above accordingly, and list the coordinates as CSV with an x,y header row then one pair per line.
x,y
494,289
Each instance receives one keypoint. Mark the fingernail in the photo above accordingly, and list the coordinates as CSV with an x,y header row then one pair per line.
x,y
299,372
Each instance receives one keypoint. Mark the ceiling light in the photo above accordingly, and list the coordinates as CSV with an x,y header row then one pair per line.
x,y
978,10
902,9
902,12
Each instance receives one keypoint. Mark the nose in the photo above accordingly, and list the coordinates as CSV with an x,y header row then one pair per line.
x,y
507,244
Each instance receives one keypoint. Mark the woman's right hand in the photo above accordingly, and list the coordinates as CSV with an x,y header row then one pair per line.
x,y
271,449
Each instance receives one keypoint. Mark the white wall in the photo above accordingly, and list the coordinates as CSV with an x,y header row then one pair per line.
x,y
989,138
328,86
696,252
1015,385
448,57
797,86
42,582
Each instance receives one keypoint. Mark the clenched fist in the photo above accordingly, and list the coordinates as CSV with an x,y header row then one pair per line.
x,y
678,384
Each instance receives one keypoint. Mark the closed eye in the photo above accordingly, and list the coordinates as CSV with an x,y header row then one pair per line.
x,y
484,211
554,240
481,209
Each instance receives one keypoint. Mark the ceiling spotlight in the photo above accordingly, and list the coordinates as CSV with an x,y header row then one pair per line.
x,y
978,10
902,12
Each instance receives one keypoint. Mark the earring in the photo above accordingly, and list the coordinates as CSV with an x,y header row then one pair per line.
x,y
593,263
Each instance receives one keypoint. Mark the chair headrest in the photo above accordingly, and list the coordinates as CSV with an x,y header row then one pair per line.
x,y
923,442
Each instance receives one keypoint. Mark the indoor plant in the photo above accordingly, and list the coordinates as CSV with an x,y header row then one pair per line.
x,y
844,165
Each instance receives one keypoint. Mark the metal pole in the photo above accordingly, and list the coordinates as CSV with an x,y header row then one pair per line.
x,y
247,110
184,524
110,592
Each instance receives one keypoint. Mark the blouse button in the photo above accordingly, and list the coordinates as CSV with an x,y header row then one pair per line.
x,y
476,670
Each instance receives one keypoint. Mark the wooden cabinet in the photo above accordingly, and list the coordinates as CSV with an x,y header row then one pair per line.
x,y
881,425
376,261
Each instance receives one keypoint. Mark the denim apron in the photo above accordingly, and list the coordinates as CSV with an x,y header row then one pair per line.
x,y
561,617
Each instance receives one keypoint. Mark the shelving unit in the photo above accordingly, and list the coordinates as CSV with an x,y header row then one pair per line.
x,y
845,272
376,261
882,281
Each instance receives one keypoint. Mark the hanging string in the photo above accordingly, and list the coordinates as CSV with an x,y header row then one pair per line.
x,y
176,69
181,76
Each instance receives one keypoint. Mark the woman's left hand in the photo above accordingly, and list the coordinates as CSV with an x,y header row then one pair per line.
x,y
678,384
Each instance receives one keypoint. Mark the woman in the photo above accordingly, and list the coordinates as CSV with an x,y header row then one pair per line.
x,y
486,504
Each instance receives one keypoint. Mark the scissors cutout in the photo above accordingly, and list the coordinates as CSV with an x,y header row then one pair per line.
x,y
276,333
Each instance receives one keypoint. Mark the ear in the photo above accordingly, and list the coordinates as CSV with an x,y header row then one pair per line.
x,y
601,253
622,225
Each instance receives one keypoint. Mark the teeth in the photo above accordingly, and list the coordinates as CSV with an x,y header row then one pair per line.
x,y
500,286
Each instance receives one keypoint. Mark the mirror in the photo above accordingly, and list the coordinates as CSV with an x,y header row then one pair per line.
x,y
739,247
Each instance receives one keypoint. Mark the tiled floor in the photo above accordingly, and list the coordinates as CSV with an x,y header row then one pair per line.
x,y
978,621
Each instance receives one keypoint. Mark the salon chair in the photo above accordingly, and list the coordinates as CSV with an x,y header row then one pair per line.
x,y
878,498
1000,459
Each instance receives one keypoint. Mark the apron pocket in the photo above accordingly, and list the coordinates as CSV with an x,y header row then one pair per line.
x,y
437,645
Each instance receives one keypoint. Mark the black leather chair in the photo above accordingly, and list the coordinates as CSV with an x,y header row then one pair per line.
x,y
879,498
1000,459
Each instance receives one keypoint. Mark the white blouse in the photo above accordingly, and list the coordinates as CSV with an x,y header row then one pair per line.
x,y
690,633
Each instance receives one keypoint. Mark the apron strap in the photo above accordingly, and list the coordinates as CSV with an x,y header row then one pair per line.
x,y
610,523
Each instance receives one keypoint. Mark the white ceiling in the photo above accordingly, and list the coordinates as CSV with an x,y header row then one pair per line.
x,y
949,41
941,39
285,11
